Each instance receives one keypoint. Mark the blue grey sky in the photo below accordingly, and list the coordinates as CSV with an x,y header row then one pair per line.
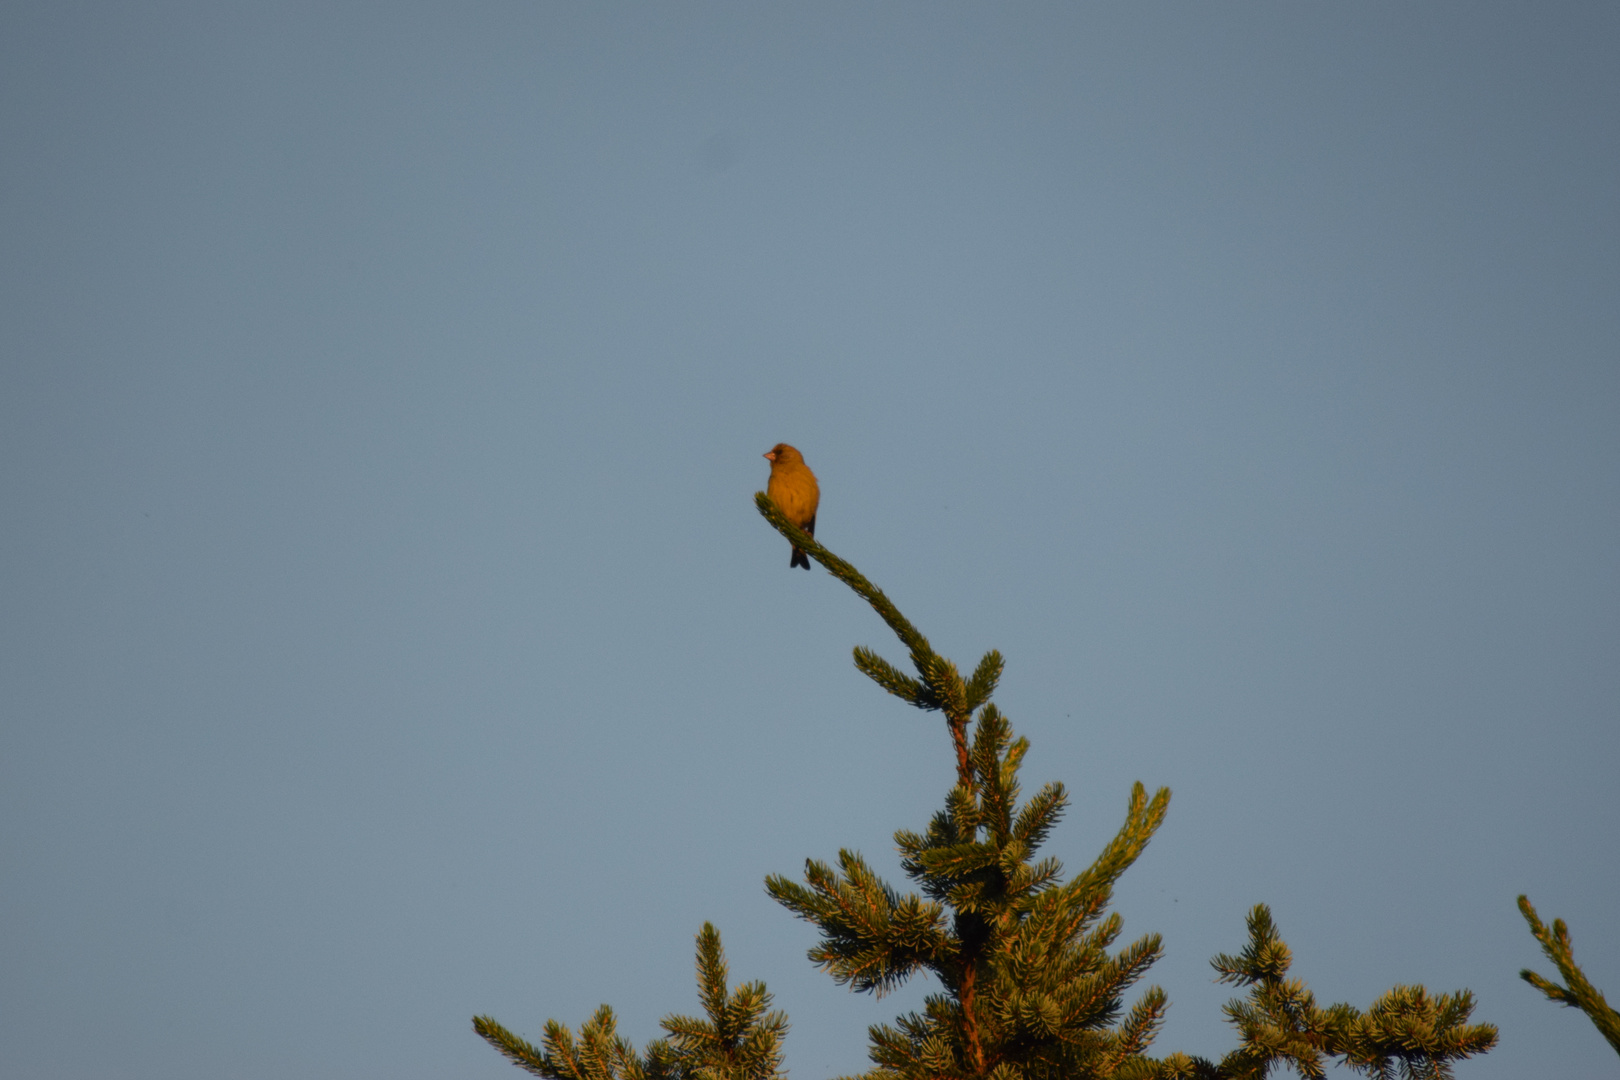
x,y
389,633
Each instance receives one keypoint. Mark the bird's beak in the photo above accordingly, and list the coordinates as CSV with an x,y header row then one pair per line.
x,y
769,455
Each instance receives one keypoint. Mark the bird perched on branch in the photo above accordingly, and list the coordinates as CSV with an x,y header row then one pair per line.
x,y
793,487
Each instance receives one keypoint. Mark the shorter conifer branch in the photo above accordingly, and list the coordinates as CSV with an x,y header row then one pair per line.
x,y
739,1039
598,1054
892,679
519,1051
1578,993
983,681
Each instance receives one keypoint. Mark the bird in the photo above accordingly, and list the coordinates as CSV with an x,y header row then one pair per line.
x,y
793,487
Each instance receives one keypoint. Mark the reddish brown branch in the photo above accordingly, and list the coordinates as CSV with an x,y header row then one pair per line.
x,y
964,766
970,1022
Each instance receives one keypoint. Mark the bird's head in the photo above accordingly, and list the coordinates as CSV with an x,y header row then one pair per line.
x,y
782,454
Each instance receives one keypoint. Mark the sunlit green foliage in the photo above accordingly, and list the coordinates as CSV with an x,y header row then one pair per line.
x,y
1032,977
1578,993
740,1039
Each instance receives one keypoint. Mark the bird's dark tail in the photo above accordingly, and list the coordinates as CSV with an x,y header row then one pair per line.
x,y
799,559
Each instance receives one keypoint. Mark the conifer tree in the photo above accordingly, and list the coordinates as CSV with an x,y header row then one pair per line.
x,y
1030,988
1578,993
1031,985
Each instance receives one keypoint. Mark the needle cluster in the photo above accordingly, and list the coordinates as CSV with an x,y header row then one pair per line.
x,y
1577,992
1407,1034
740,1038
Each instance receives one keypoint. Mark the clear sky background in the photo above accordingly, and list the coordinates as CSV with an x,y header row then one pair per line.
x,y
389,635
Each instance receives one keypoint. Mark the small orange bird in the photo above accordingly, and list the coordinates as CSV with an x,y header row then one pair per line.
x,y
793,487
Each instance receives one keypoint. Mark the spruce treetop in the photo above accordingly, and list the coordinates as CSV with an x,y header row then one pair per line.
x,y
1032,978
1031,988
